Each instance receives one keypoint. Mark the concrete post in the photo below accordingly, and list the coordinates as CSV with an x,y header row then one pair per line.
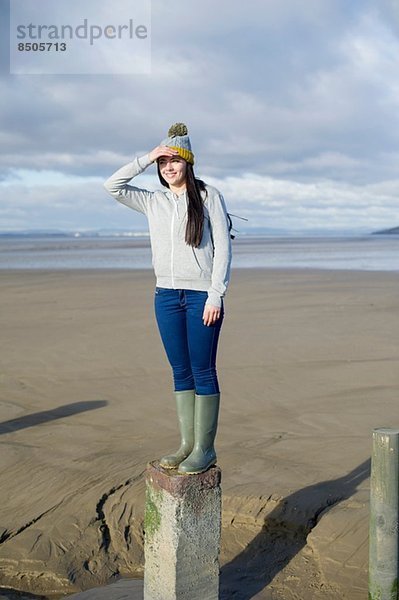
x,y
182,535
384,512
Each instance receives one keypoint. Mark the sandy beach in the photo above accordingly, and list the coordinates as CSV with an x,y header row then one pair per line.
x,y
308,364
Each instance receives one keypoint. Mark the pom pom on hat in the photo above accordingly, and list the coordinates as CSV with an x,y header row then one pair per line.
x,y
178,140
177,129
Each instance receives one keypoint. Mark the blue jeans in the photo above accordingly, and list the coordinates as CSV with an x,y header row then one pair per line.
x,y
189,344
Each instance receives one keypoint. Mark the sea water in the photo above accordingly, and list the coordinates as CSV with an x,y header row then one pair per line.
x,y
362,252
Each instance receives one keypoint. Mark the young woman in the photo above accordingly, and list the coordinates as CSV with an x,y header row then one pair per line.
x,y
191,249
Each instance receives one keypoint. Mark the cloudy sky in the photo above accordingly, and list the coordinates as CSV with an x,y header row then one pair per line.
x,y
292,108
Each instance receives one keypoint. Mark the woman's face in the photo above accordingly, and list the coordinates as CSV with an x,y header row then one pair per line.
x,y
173,170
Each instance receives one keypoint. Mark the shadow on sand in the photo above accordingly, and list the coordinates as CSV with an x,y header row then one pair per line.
x,y
283,535
68,410
15,595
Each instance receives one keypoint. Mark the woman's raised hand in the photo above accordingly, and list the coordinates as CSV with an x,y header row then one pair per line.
x,y
162,151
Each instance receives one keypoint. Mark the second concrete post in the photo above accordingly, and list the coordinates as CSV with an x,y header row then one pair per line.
x,y
384,509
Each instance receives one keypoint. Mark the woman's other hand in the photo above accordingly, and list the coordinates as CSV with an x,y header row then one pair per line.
x,y
162,151
211,314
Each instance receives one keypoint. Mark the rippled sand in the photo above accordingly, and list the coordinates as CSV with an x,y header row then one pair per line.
x,y
308,365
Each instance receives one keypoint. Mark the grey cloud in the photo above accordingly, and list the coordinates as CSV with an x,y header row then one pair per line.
x,y
290,90
265,201
75,206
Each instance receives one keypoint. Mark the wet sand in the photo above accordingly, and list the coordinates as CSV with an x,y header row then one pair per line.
x,y
308,364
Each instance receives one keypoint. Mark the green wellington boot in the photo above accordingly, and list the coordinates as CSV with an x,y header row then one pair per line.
x,y
203,455
185,402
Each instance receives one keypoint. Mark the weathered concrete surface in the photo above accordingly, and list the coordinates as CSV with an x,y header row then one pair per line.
x,y
182,528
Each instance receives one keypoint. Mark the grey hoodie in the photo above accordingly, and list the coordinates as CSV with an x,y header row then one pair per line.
x,y
176,264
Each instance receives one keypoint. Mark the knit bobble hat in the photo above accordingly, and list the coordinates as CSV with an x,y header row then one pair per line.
x,y
178,140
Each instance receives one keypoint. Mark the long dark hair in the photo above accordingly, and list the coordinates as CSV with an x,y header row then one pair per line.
x,y
195,206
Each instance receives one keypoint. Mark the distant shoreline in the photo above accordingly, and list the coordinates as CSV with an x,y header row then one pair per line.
x,y
393,231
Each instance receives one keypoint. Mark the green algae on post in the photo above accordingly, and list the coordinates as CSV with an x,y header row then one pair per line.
x,y
152,517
